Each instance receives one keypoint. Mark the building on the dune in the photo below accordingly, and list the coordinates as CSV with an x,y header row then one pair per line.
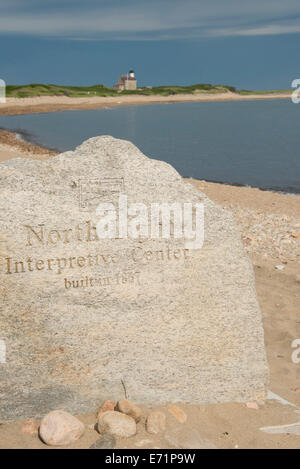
x,y
126,82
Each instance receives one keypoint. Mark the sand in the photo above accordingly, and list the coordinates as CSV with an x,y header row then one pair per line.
x,y
13,147
60,103
268,222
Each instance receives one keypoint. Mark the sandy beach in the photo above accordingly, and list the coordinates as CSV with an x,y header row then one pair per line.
x,y
270,230
12,146
63,103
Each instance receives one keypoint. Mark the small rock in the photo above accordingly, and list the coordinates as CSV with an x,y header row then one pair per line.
x,y
30,427
297,390
106,442
60,428
252,405
279,267
187,438
107,405
116,424
156,422
128,408
179,414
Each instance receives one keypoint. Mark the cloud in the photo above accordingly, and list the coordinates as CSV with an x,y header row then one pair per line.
x,y
144,20
290,27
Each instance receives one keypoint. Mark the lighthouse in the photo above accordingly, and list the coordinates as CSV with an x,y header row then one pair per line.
x,y
126,82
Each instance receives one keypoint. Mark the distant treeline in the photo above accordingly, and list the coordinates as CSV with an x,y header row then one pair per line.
x,y
38,89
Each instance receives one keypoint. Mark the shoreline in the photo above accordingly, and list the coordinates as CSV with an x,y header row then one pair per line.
x,y
18,106
17,143
12,146
223,193
237,184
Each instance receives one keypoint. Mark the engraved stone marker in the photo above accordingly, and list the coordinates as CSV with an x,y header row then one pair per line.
x,y
84,319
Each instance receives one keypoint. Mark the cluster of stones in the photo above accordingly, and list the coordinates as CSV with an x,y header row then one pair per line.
x,y
270,235
114,419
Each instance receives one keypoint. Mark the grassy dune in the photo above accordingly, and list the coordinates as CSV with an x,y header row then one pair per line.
x,y
37,89
249,92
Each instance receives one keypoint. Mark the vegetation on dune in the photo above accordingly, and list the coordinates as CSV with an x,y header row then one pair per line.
x,y
249,92
38,89
192,89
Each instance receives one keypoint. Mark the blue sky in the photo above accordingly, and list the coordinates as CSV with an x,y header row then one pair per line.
x,y
252,45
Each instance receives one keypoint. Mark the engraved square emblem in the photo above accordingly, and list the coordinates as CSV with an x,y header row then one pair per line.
x,y
94,191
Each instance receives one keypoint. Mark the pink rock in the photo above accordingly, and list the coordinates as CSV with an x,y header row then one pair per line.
x,y
252,405
107,405
60,428
129,408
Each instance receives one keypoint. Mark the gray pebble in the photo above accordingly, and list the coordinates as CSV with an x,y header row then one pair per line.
x,y
105,442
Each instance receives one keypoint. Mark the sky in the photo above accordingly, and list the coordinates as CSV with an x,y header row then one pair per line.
x,y
248,44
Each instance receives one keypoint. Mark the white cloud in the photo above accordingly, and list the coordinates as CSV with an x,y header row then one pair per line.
x,y
144,20
263,30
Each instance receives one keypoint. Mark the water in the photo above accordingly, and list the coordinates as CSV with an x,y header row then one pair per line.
x,y
253,143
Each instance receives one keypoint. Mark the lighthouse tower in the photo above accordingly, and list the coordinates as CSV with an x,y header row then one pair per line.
x,y
126,82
